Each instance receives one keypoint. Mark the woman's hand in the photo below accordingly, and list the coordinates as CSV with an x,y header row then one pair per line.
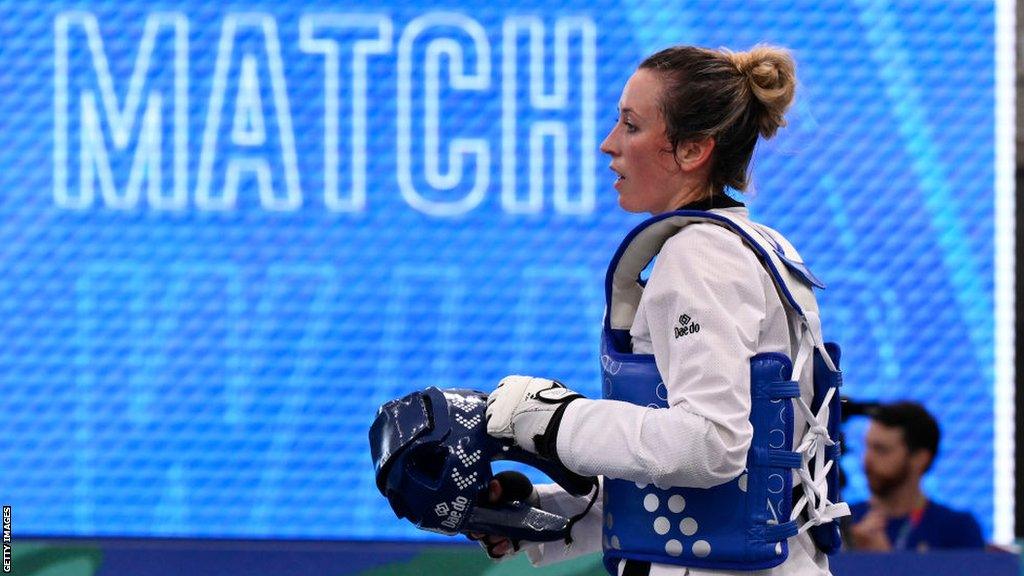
x,y
528,410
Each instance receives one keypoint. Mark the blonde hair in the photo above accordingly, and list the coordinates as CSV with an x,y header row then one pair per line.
x,y
732,97
771,76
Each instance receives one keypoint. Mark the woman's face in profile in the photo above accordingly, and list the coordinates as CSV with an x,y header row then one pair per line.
x,y
648,178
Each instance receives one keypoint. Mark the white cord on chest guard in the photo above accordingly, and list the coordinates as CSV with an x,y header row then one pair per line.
x,y
815,465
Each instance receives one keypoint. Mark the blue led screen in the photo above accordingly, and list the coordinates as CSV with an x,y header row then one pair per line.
x,y
231,232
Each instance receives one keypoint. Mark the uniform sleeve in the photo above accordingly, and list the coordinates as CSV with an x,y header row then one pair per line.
x,y
701,315
586,533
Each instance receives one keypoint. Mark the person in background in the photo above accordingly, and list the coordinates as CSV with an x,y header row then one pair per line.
x,y
901,445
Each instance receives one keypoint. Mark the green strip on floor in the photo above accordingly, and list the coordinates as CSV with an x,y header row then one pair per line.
x,y
463,562
35,559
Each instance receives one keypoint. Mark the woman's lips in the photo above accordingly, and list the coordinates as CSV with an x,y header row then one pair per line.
x,y
619,177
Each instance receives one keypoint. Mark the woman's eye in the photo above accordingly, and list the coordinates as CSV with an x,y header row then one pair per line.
x,y
630,127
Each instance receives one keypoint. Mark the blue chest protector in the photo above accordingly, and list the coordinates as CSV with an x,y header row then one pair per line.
x,y
744,523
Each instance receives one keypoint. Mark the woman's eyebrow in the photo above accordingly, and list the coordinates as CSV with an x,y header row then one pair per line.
x,y
628,110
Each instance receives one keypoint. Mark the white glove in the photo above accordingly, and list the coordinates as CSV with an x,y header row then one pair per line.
x,y
528,410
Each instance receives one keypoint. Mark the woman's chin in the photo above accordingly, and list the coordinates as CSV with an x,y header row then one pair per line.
x,y
630,205
624,199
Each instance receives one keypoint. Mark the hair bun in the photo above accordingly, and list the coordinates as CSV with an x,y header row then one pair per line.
x,y
771,74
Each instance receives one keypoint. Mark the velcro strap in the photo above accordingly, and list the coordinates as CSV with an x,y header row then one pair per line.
x,y
780,532
784,459
775,458
833,452
788,389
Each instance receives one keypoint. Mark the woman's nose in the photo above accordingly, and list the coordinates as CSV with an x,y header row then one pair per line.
x,y
606,145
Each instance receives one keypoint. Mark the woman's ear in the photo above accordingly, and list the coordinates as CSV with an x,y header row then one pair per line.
x,y
694,154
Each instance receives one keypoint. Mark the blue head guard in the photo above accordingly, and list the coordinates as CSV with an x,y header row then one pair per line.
x,y
432,456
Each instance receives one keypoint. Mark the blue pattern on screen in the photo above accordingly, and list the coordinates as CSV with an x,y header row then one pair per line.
x,y
230,235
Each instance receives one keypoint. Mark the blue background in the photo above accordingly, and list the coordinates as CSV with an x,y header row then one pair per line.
x,y
197,372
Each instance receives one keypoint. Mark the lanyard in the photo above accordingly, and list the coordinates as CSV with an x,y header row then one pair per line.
x,y
903,536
